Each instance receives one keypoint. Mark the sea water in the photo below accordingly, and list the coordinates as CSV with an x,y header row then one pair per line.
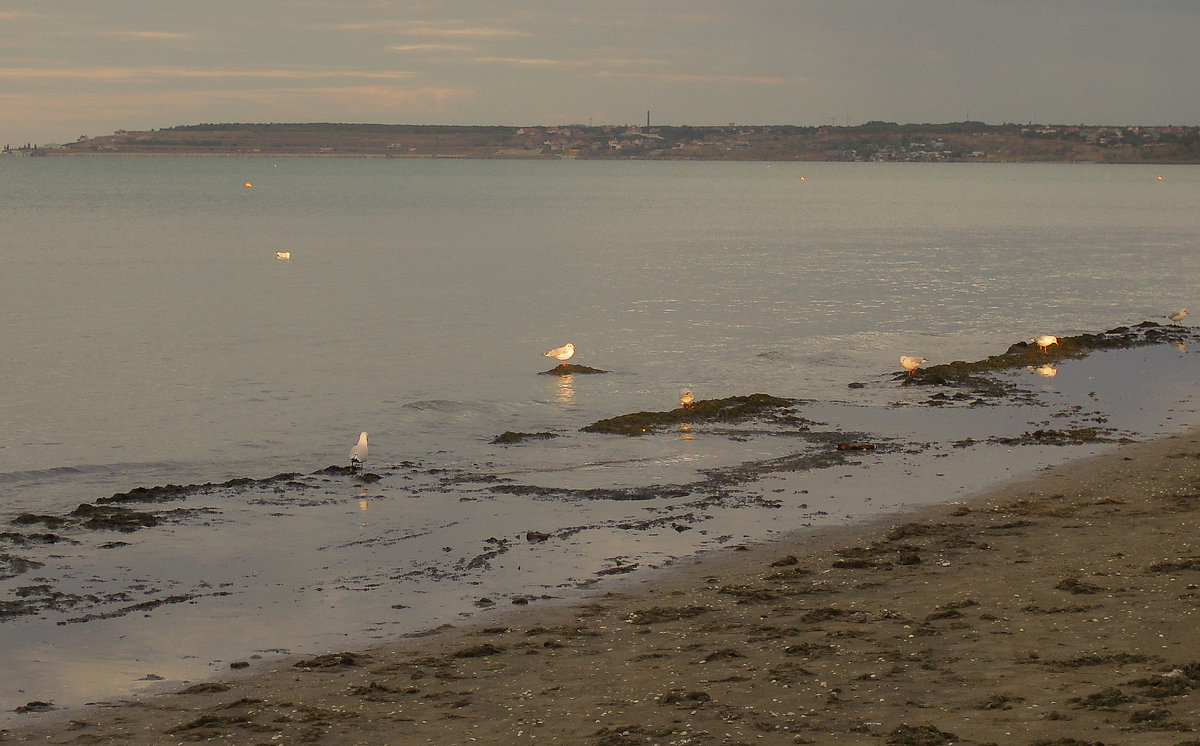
x,y
151,336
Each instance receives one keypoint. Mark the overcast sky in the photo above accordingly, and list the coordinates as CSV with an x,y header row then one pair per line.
x,y
84,67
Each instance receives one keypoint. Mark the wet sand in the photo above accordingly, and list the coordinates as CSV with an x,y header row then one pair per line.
x,y
1061,609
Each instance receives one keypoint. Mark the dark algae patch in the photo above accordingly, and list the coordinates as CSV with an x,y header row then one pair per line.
x,y
730,410
168,492
919,735
567,369
509,437
771,415
112,518
977,377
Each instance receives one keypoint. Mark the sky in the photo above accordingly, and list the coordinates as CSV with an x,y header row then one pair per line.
x,y
70,68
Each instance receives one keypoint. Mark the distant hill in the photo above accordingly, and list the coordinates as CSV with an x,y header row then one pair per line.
x,y
874,141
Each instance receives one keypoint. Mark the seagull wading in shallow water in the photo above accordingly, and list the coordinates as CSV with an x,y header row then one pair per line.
x,y
358,454
910,363
1177,316
562,354
1043,342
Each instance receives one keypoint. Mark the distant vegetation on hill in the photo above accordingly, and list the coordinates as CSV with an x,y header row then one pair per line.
x,y
874,141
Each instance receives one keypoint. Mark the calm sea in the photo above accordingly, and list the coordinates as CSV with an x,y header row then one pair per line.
x,y
151,336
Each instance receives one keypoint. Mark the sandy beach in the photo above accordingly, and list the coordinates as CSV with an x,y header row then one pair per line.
x,y
1060,609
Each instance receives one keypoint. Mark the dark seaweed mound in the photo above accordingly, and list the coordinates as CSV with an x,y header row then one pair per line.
x,y
729,410
975,375
510,437
567,369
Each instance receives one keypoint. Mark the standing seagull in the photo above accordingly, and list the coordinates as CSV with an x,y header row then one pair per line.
x,y
1177,316
910,363
562,354
686,398
358,454
1043,342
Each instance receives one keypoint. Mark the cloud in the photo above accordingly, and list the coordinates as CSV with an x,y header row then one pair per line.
x,y
448,30
431,47
550,63
140,35
700,77
124,74
14,15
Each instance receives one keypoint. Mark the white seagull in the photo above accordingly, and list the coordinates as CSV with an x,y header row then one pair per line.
x,y
562,354
686,398
910,363
358,454
283,255
1043,342
1177,316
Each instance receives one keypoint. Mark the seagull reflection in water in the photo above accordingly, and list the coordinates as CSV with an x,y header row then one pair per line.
x,y
565,389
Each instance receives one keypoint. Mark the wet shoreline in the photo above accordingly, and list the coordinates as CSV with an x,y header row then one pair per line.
x,y
1024,610
594,533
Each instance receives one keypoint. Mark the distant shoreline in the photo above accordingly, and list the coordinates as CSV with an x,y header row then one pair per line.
x,y
969,142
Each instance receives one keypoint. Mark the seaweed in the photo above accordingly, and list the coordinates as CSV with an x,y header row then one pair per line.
x,y
482,650
567,369
115,519
333,660
977,377
1104,699
919,735
733,409
167,492
509,437
680,697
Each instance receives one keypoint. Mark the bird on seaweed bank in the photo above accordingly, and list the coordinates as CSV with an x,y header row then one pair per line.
x,y
358,454
686,398
910,363
1177,316
1043,342
562,354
